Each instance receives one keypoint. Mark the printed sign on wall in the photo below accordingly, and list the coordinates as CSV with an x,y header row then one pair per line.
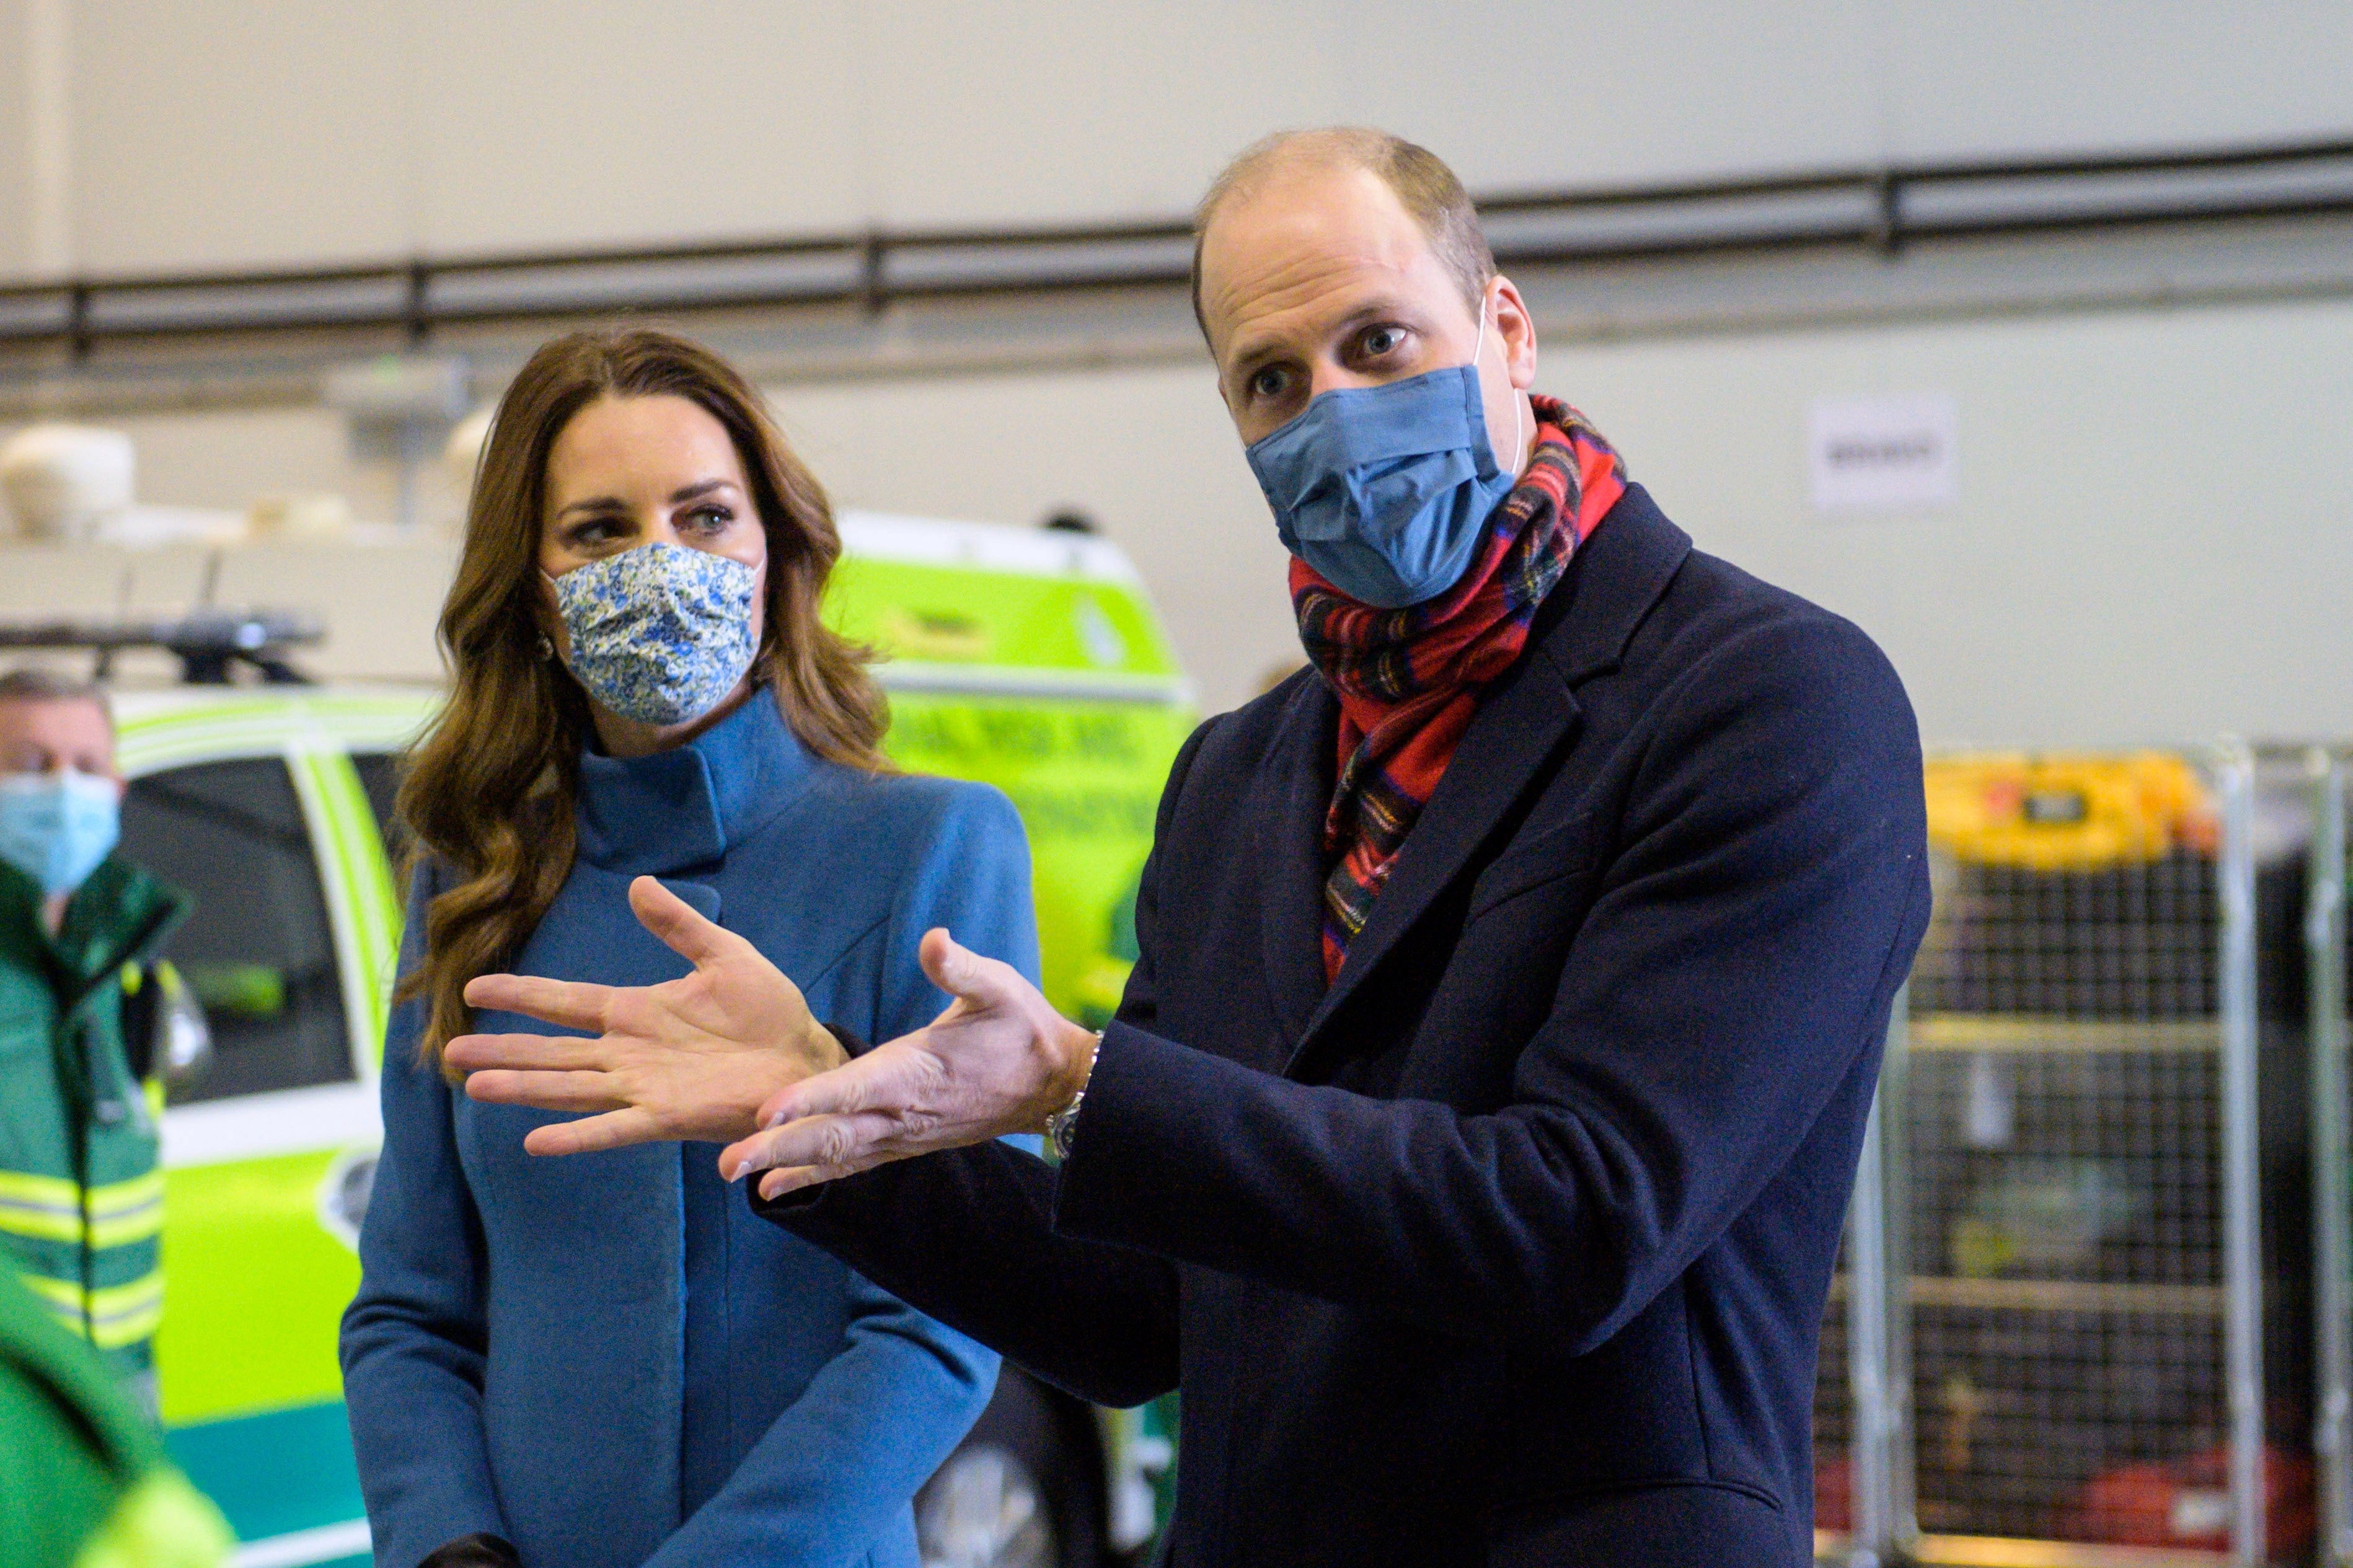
x,y
1884,454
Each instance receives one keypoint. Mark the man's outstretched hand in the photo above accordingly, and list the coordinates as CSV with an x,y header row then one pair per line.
x,y
998,1060
694,1058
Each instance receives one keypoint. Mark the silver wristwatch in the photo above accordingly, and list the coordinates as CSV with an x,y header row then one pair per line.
x,y
1063,1124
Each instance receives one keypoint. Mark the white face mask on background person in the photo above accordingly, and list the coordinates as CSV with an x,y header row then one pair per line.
x,y
56,827
661,633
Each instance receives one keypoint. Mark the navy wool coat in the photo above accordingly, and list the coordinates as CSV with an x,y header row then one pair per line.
x,y
1510,1246
603,1358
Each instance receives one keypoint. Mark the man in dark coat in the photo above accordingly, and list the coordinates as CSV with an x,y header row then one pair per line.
x,y
1473,1140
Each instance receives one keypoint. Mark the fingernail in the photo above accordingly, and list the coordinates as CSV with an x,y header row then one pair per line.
x,y
742,1169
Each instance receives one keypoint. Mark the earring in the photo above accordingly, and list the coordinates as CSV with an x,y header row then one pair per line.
x,y
546,649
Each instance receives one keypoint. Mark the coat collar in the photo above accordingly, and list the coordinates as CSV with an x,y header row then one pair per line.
x,y
687,806
1525,718
1614,578
119,915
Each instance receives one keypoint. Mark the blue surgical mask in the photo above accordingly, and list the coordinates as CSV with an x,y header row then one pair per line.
x,y
56,827
1385,490
660,634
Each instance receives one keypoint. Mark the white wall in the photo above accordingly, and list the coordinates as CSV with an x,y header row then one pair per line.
x,y
276,133
2147,545
2148,542
2151,540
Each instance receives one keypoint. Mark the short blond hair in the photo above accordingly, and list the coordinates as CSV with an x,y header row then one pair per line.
x,y
1420,178
39,683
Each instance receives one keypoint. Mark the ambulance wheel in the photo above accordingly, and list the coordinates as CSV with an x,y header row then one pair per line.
x,y
1023,1488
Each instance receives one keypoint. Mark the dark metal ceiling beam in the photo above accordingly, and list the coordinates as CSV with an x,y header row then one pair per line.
x,y
1880,210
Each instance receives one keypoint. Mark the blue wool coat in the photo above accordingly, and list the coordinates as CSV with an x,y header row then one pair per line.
x,y
606,1358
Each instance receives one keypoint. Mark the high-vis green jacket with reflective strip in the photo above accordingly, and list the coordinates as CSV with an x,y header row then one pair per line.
x,y
81,1195
83,1481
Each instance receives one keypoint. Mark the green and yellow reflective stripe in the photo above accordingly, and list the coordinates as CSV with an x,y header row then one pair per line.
x,y
125,1314
128,1211
116,1316
178,732
62,1296
361,897
43,1207
35,1189
49,1209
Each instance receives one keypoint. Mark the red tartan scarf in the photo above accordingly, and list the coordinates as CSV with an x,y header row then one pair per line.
x,y
1409,681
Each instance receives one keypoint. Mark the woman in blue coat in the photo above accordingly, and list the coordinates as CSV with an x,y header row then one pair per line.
x,y
610,1362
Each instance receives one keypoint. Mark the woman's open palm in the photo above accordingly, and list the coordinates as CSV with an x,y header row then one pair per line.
x,y
694,1058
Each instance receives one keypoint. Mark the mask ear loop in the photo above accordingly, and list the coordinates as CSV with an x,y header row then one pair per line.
x,y
1519,441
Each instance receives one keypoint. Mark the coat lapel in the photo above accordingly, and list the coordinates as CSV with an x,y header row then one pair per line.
x,y
1522,722
1526,717
1293,793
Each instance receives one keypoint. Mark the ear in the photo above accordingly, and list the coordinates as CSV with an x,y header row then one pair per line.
x,y
1518,331
546,620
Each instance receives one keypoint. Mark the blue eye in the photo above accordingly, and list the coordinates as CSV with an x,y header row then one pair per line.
x,y
1267,382
1381,341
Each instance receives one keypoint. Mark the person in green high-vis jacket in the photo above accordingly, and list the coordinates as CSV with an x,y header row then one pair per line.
x,y
82,1193
83,1481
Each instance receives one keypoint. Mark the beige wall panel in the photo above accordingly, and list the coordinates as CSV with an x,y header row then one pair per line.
x,y
2140,552
1993,78
635,123
230,460
278,132
16,150
380,601
1061,111
1525,95
370,596
267,133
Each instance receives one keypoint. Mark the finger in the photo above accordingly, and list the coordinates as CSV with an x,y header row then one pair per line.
x,y
856,1084
547,1090
966,975
552,1053
774,1185
681,926
840,1139
614,1130
569,1003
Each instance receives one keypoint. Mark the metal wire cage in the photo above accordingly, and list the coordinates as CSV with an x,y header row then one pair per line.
x,y
2328,960
2075,1174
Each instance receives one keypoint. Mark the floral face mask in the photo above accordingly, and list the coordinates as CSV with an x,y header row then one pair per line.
x,y
660,634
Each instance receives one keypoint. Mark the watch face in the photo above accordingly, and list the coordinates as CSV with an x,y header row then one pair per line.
x,y
1059,1127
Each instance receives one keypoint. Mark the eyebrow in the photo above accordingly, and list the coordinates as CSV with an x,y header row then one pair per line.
x,y
677,498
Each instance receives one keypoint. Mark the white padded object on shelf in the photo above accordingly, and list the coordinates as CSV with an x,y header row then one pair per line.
x,y
62,481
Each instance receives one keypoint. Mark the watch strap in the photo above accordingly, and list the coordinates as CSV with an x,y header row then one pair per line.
x,y
1061,1127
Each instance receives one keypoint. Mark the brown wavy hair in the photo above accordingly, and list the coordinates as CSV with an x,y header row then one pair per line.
x,y
489,790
